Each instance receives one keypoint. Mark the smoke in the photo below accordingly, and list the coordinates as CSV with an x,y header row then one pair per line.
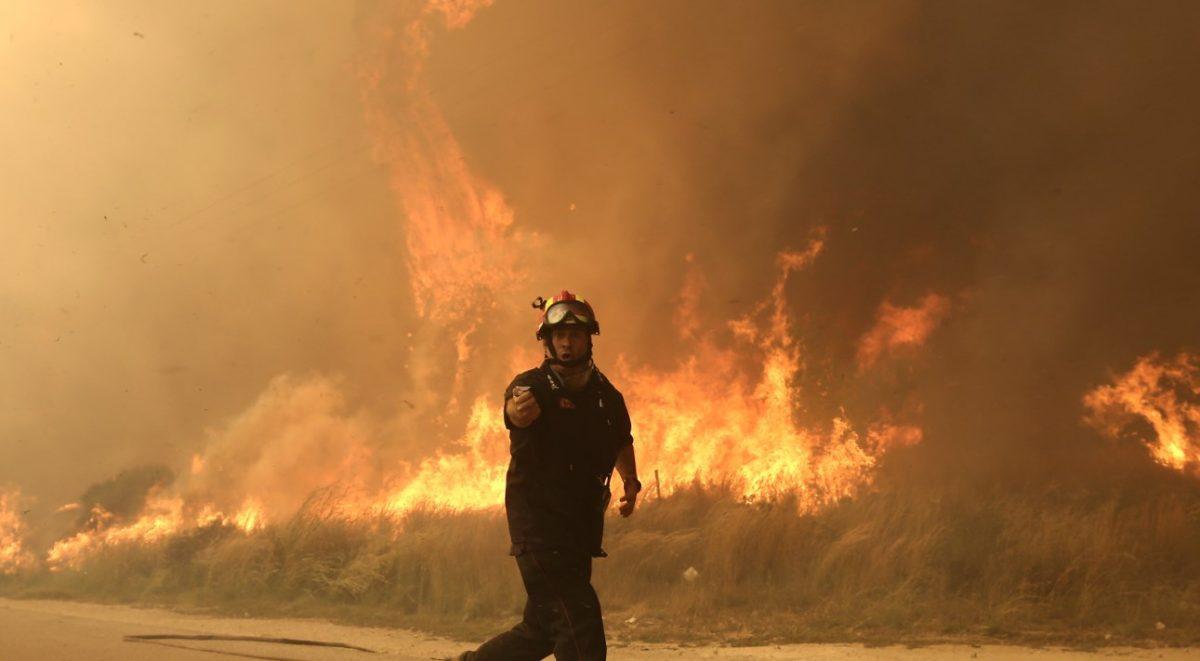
x,y
190,211
295,439
1034,164
198,205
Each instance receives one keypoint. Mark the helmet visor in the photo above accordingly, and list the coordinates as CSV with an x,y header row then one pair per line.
x,y
568,312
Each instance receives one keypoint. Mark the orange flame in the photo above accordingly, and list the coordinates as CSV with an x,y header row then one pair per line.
x,y
161,517
250,517
457,223
1162,393
709,422
897,327
13,555
459,236
706,422
469,480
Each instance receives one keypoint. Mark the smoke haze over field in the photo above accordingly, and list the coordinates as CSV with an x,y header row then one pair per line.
x,y
191,204
189,209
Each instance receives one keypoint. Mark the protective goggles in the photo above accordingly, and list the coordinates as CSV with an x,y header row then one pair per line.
x,y
568,312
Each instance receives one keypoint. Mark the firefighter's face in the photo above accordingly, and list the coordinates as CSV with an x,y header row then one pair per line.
x,y
569,342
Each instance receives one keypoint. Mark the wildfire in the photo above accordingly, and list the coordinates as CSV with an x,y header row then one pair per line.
x,y
1165,394
163,516
457,224
470,480
726,415
13,555
710,422
462,250
250,517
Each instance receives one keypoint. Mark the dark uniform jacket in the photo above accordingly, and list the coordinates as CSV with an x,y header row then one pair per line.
x,y
556,489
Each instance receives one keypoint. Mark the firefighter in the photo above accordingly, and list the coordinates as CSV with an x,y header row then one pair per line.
x,y
568,428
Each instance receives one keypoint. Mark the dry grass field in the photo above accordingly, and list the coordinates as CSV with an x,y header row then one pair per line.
x,y
1113,566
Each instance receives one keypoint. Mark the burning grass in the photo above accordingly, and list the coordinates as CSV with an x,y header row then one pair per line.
x,y
1056,565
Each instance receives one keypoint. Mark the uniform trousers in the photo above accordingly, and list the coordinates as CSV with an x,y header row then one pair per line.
x,y
562,613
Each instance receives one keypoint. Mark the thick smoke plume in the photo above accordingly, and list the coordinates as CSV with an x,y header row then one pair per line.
x,y
1033,165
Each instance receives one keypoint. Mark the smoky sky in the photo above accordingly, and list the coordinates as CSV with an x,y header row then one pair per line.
x,y
191,207
1036,163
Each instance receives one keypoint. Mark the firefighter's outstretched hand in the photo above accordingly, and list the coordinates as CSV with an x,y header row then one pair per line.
x,y
522,408
628,501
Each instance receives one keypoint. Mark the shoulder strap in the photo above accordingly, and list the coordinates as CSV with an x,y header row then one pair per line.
x,y
552,380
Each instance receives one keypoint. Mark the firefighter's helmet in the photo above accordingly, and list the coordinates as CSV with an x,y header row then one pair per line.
x,y
565,309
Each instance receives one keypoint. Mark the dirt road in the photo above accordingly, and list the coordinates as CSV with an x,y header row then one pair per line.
x,y
38,630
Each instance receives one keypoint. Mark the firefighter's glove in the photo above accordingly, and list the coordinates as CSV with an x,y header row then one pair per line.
x,y
522,408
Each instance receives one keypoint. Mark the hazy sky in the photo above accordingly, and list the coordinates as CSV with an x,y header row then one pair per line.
x,y
188,209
